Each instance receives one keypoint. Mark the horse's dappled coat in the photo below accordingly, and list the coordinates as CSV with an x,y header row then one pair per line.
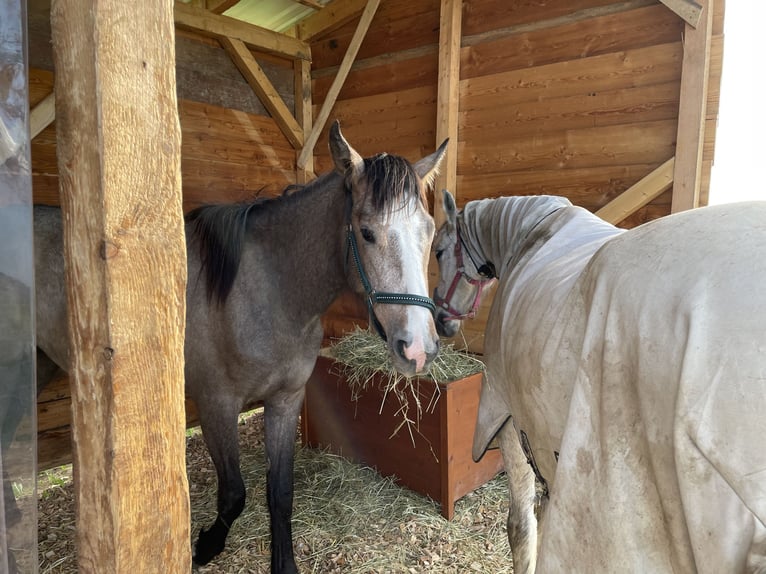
x,y
640,357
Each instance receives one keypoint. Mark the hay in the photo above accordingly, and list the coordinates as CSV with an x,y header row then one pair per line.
x,y
347,519
362,358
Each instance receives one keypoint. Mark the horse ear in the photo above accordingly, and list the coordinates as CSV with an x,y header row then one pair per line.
x,y
428,167
450,209
347,160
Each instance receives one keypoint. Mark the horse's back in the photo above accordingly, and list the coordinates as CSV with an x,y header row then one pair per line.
x,y
662,466
50,284
532,325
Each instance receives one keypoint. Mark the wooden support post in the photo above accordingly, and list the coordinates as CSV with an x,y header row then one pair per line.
x,y
448,101
119,158
691,113
303,114
337,84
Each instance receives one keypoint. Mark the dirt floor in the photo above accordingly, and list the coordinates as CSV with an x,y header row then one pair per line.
x,y
347,519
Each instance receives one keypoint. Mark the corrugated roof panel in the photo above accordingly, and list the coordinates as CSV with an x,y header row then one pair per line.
x,y
277,15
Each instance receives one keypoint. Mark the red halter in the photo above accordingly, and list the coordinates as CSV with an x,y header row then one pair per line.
x,y
445,302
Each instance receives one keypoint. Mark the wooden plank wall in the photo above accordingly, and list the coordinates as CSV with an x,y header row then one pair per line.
x,y
228,155
567,97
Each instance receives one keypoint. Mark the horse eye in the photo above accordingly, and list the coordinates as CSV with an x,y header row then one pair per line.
x,y
439,254
368,235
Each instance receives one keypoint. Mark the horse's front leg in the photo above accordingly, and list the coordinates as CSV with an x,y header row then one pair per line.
x,y
281,421
522,524
219,429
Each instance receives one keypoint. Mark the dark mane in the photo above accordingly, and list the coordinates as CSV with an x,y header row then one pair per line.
x,y
220,231
391,178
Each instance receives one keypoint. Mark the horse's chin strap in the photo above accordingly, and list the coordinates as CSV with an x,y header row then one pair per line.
x,y
487,272
377,297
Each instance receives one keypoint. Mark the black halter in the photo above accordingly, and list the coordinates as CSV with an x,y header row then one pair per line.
x,y
377,297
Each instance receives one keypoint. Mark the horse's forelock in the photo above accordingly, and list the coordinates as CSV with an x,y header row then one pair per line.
x,y
391,179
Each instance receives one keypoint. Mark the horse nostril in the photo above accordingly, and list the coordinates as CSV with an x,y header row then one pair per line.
x,y
401,345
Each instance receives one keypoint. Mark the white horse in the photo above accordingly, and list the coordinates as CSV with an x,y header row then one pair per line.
x,y
634,365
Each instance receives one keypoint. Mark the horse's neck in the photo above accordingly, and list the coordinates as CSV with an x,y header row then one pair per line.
x,y
521,235
500,229
302,238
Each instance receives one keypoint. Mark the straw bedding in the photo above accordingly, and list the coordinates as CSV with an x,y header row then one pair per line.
x,y
347,519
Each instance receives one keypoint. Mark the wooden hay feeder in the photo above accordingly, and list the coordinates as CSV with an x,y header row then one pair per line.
x,y
432,456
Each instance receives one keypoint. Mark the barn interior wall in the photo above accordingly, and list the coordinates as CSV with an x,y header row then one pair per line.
x,y
568,97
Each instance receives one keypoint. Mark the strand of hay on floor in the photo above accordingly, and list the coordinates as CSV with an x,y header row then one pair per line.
x,y
363,360
347,519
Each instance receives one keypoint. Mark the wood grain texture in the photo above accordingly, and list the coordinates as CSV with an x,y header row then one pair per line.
x,y
485,15
638,195
691,121
119,147
570,41
399,25
438,464
448,95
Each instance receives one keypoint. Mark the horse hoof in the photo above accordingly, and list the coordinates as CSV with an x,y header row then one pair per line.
x,y
208,547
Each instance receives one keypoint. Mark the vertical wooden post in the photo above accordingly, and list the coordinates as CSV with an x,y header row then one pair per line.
x,y
448,99
119,148
303,114
691,113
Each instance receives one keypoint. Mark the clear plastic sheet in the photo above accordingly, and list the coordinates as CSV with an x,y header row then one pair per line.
x,y
18,447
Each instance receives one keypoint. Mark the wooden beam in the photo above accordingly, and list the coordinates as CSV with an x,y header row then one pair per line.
x,y
639,194
448,99
303,115
334,15
689,10
219,6
310,4
264,89
337,84
42,115
119,160
692,111
255,37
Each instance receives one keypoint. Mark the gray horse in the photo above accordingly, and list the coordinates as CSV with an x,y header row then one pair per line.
x,y
634,365
260,276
